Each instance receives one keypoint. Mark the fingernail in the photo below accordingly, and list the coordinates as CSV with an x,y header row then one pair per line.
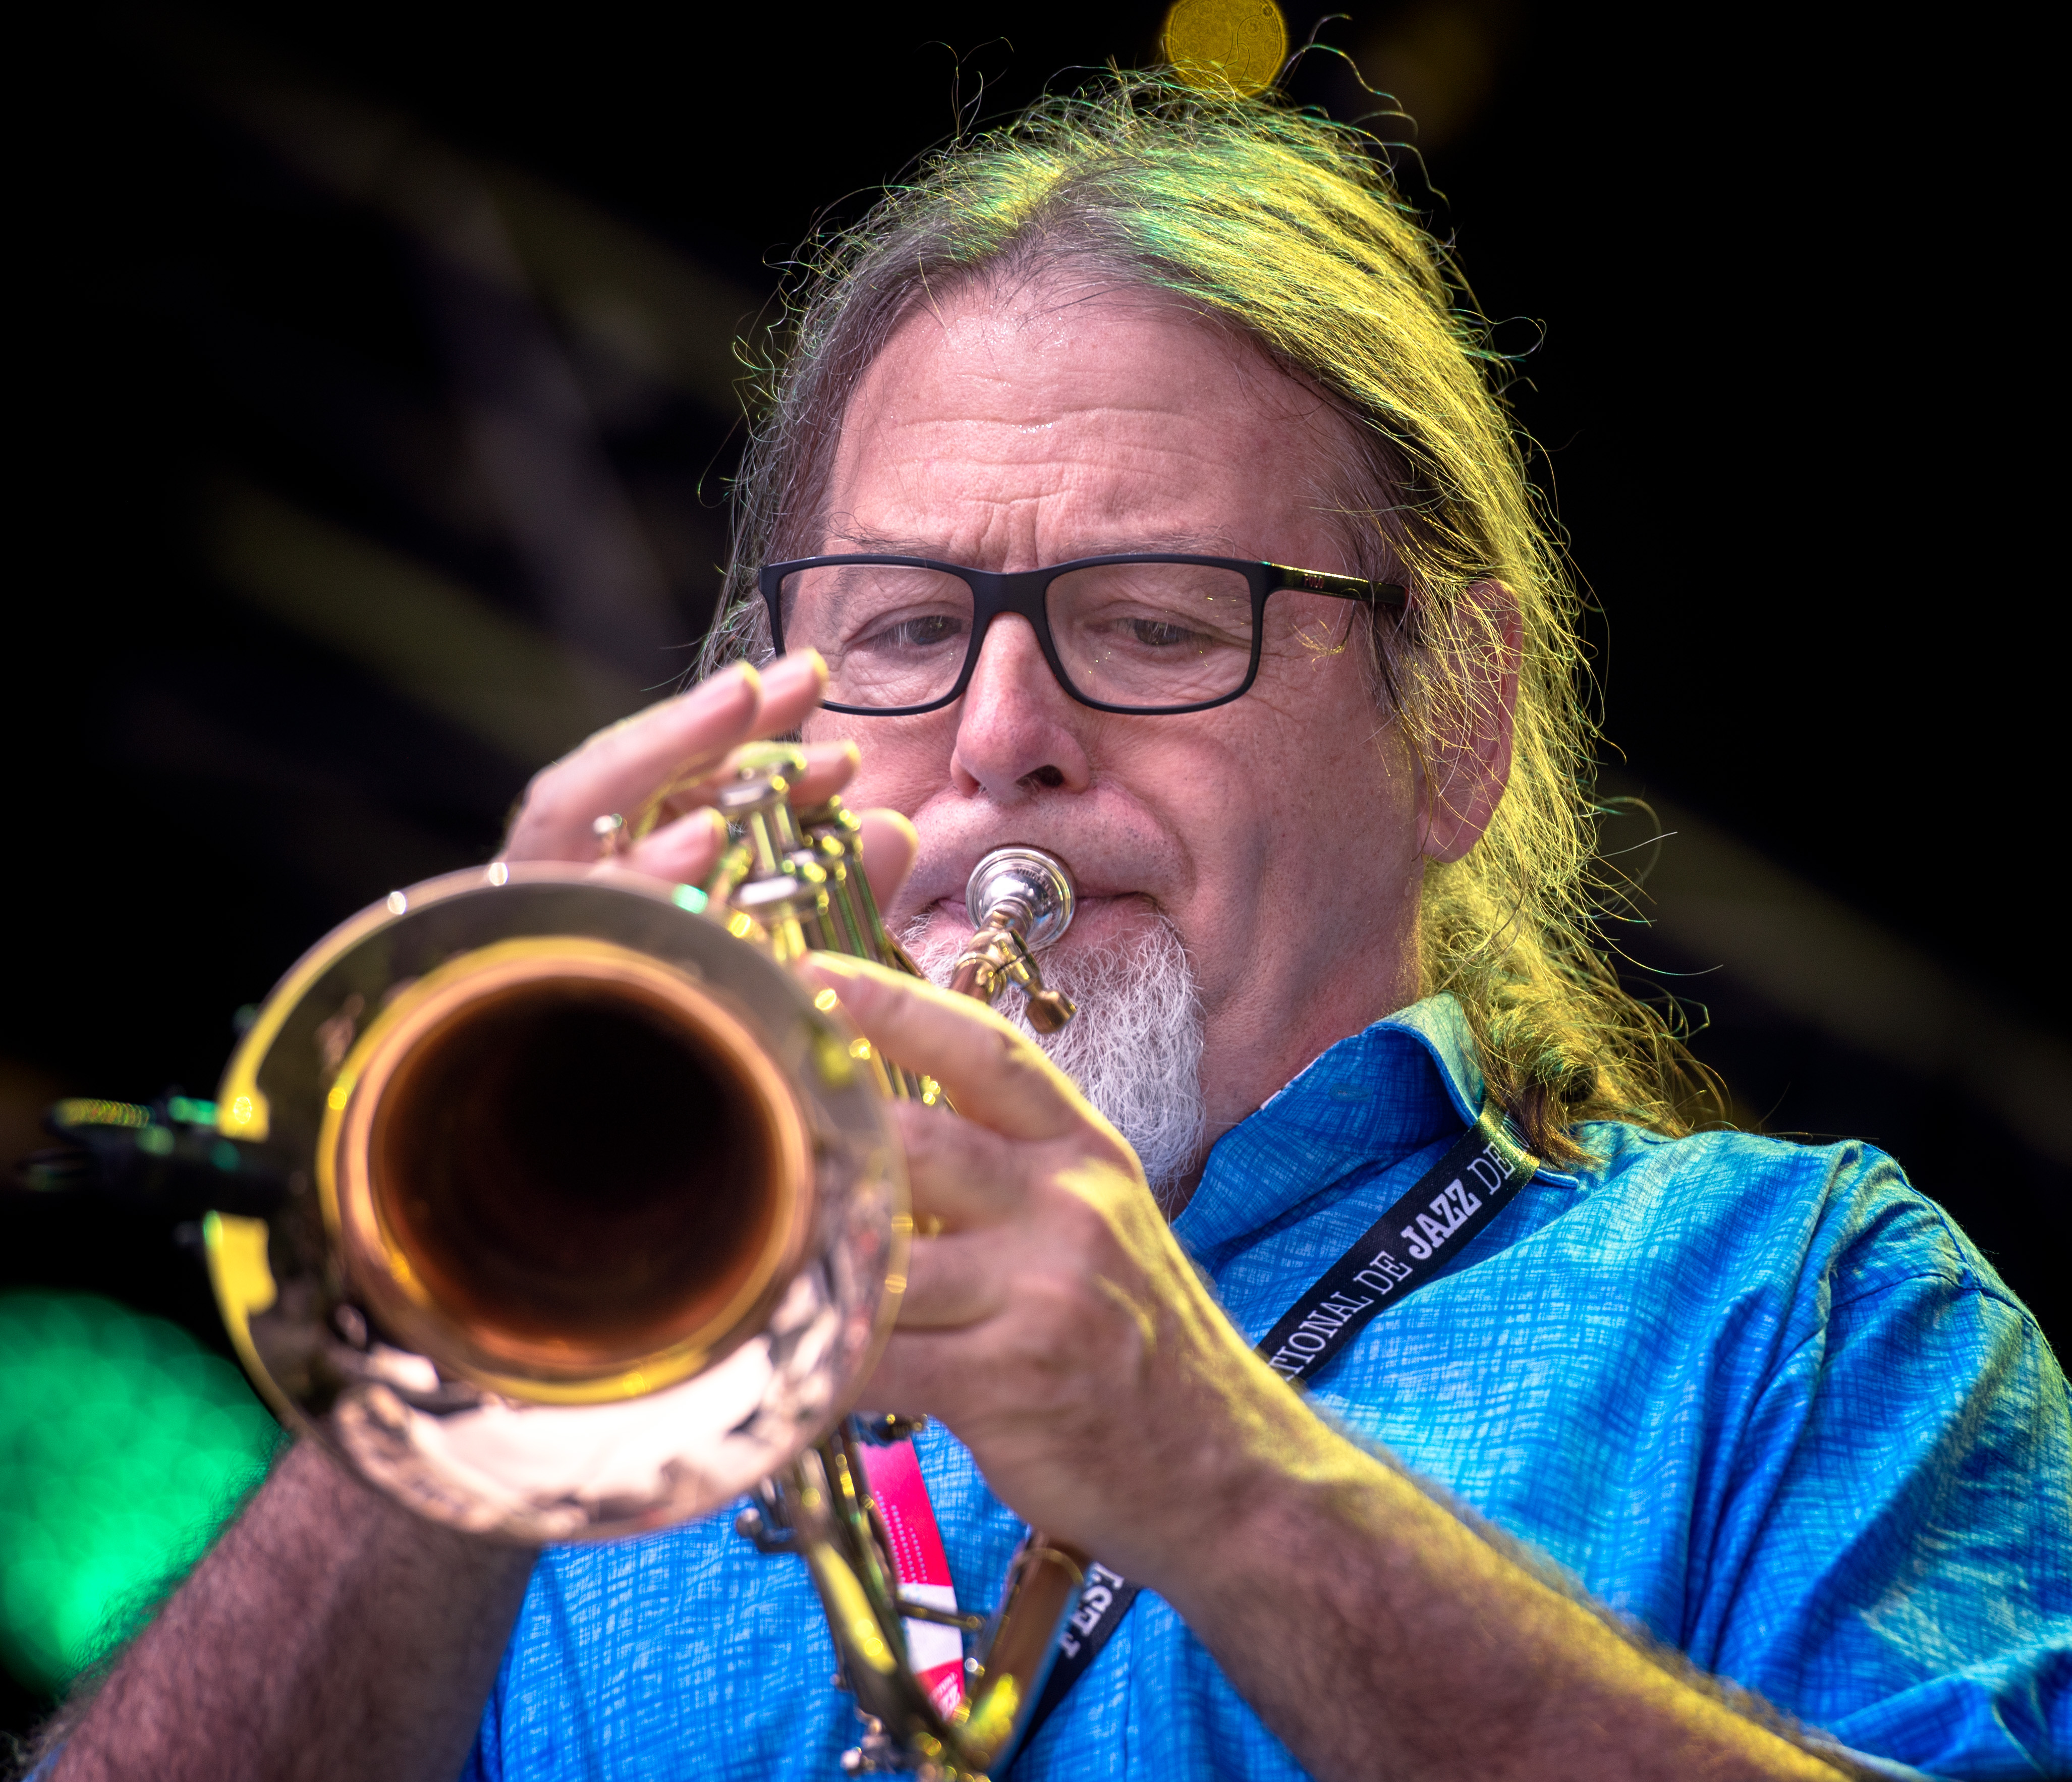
x,y
799,669
723,685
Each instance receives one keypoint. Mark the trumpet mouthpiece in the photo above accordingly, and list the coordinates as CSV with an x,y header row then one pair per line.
x,y
1037,881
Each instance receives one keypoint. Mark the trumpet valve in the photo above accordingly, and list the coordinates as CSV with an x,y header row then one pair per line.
x,y
1050,1010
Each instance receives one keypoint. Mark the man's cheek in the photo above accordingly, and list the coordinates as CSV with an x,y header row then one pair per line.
x,y
903,767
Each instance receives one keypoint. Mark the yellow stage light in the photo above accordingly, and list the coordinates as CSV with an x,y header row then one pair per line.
x,y
1235,46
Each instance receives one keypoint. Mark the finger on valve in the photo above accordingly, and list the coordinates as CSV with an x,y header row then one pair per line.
x,y
830,767
658,764
620,772
990,1071
790,689
683,852
890,845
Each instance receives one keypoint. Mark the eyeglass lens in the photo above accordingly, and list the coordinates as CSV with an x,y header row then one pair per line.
x,y
1127,634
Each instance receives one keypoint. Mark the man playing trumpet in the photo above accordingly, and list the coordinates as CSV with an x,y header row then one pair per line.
x,y
1133,492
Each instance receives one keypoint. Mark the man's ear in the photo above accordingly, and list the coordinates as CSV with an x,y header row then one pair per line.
x,y
1467,744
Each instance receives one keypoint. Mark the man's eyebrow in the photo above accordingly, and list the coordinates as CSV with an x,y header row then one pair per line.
x,y
884,543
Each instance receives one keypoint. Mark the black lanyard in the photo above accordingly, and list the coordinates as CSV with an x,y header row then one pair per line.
x,y
1397,1254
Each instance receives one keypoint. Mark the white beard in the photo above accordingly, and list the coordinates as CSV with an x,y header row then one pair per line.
x,y
1134,1048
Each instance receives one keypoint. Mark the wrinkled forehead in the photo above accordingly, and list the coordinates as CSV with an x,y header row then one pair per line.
x,y
1074,410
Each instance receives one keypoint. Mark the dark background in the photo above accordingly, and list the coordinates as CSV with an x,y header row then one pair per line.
x,y
312,309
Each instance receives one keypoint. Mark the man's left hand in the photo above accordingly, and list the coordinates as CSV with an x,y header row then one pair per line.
x,y
1050,1320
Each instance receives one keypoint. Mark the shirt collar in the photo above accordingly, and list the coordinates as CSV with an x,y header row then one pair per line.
x,y
1367,1102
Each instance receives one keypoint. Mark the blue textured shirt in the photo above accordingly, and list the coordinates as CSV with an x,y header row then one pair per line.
x,y
1762,1398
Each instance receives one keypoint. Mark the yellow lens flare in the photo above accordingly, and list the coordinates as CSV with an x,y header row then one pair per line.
x,y
1226,46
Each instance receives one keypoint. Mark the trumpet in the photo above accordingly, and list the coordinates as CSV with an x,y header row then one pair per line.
x,y
593,1220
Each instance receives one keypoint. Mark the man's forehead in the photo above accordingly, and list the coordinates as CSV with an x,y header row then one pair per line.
x,y
1033,357
1121,419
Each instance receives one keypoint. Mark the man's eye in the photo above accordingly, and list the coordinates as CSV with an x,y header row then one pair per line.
x,y
1162,634
922,633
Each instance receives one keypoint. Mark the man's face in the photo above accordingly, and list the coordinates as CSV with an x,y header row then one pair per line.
x,y
1277,833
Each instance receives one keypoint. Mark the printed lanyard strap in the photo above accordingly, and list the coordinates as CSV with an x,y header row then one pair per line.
x,y
1410,1243
892,1474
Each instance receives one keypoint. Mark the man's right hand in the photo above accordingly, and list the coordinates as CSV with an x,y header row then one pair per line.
x,y
671,758
332,1633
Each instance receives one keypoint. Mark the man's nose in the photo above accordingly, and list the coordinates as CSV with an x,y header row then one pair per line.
x,y
1018,730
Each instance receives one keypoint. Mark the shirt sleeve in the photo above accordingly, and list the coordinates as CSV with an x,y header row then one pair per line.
x,y
1896,1566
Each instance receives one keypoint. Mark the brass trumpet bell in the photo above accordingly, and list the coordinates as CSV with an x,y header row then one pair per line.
x,y
598,1221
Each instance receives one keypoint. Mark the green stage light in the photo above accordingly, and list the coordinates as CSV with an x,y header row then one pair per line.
x,y
124,1446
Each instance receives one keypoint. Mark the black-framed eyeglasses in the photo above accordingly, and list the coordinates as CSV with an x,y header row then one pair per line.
x,y
1143,633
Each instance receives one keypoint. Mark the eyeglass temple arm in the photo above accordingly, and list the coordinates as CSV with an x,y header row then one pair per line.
x,y
1391,594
